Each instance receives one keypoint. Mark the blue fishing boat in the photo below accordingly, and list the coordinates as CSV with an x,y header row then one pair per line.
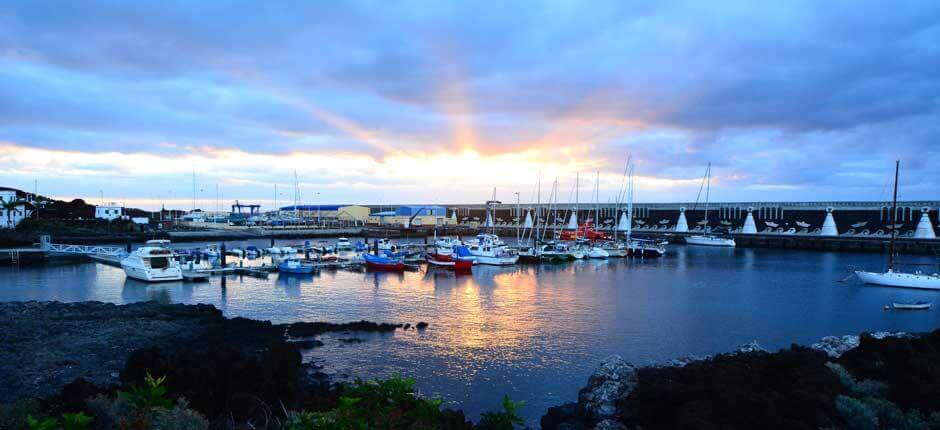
x,y
294,266
384,262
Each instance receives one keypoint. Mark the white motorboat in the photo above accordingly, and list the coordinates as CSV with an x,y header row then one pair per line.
x,y
616,249
287,250
595,252
154,262
891,278
646,248
343,244
272,250
710,240
489,249
235,252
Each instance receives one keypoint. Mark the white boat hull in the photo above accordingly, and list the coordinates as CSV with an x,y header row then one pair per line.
x,y
152,275
496,261
900,280
710,241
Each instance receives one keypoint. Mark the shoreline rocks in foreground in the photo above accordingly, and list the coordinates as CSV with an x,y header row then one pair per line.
x,y
871,381
46,345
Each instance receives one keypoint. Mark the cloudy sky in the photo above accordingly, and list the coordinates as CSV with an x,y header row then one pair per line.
x,y
429,101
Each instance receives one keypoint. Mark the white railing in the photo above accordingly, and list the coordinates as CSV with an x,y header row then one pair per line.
x,y
86,249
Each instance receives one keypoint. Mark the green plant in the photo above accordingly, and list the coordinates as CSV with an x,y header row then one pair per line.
x,y
47,423
505,419
76,421
151,395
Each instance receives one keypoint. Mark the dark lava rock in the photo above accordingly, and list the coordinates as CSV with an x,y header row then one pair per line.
x,y
790,389
307,329
568,416
46,345
910,366
350,340
422,325
225,381
407,326
72,397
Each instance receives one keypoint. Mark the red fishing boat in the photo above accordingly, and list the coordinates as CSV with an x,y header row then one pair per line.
x,y
460,259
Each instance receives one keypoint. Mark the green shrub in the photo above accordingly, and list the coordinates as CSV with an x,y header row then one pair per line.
x,y
857,415
506,419
151,395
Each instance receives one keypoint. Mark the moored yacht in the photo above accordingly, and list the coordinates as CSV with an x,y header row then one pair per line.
x,y
710,240
891,277
153,262
489,249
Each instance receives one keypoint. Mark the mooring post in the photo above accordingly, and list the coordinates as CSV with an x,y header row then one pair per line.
x,y
222,254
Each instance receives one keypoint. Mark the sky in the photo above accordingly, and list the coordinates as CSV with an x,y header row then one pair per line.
x,y
439,102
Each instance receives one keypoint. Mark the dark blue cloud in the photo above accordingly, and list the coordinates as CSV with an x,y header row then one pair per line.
x,y
838,89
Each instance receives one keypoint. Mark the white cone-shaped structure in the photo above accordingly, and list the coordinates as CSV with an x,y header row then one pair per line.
x,y
749,226
829,225
573,221
682,225
489,220
453,217
924,228
527,223
623,224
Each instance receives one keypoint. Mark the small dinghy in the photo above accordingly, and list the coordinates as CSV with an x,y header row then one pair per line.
x,y
914,306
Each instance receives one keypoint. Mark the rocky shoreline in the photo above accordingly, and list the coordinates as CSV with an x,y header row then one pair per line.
x,y
234,371
874,380
47,345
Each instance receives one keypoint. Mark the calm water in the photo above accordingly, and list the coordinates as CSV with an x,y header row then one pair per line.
x,y
533,332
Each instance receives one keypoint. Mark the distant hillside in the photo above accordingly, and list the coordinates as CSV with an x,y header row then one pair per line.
x,y
77,209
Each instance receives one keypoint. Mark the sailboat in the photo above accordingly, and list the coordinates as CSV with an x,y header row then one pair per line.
x,y
891,277
707,239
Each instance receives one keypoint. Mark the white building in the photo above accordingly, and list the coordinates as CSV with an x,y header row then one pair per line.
x,y
11,217
109,211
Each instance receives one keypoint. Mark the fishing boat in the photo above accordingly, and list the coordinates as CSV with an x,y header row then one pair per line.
x,y
235,252
460,260
211,251
708,239
891,277
252,251
913,306
384,263
489,249
385,245
443,249
153,262
293,266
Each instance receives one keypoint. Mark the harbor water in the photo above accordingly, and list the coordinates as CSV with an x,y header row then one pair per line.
x,y
534,332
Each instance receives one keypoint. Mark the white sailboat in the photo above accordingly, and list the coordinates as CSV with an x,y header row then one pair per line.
x,y
707,239
891,277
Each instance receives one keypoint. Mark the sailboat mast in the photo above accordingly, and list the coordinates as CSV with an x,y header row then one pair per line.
x,y
630,205
708,186
597,198
894,214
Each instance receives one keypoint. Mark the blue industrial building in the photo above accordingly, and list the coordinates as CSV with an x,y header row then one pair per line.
x,y
421,211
